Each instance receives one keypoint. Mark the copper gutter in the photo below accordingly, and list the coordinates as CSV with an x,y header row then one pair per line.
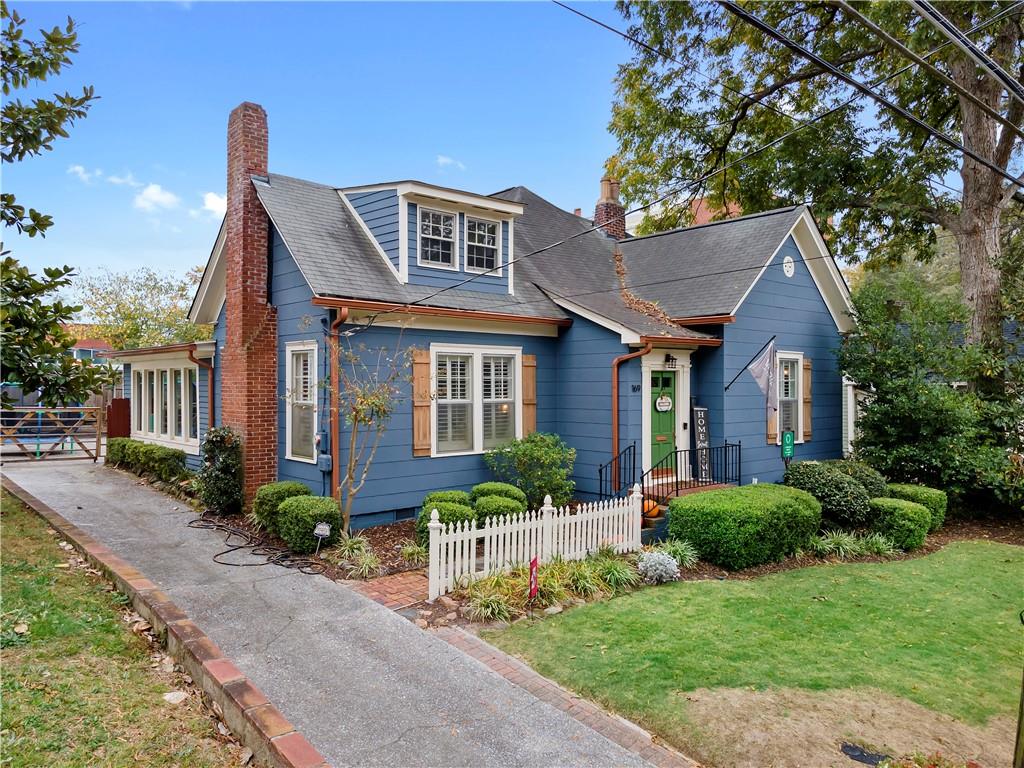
x,y
705,320
210,399
182,347
342,316
416,309
681,341
615,405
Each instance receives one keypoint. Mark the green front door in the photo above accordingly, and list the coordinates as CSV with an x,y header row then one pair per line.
x,y
663,421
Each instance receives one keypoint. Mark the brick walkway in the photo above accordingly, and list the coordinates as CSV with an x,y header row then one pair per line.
x,y
400,590
622,732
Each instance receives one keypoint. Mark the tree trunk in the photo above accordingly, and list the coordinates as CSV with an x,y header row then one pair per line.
x,y
977,238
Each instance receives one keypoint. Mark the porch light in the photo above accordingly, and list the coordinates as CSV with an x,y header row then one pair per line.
x,y
670,361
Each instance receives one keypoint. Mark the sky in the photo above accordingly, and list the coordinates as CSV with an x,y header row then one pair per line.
x,y
477,96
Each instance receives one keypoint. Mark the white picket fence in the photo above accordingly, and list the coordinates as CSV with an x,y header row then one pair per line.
x,y
514,540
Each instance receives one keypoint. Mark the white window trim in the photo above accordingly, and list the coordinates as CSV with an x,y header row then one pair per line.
x,y
499,259
799,358
455,238
189,445
300,346
477,352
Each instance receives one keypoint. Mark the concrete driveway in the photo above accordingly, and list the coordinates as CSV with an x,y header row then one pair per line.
x,y
364,685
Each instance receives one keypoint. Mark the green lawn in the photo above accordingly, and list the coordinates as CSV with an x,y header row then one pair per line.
x,y
77,687
940,630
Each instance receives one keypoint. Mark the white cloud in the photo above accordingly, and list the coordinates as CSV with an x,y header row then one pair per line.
x,y
128,180
215,204
154,197
444,161
84,176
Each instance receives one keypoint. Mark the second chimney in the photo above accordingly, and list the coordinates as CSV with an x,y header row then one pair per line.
x,y
609,214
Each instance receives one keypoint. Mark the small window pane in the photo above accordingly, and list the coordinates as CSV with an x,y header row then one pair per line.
x,y
164,402
302,430
454,427
137,400
150,401
178,410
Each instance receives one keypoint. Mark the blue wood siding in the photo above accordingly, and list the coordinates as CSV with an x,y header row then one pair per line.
x,y
793,309
379,211
297,320
706,388
126,379
220,335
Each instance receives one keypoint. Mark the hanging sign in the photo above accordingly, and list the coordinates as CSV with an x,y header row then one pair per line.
x,y
533,578
663,404
702,442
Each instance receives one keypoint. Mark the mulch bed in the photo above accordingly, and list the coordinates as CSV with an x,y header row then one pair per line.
x,y
387,540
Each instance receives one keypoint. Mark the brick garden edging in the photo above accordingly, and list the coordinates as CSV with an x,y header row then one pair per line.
x,y
247,712
624,733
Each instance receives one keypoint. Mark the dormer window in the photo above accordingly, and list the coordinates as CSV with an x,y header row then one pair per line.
x,y
481,245
437,238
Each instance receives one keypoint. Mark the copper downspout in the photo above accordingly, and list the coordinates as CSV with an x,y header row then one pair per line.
x,y
615,406
335,420
212,401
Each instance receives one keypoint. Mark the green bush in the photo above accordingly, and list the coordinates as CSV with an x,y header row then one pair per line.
x,y
116,450
297,518
844,501
496,506
455,497
220,480
540,464
447,512
871,479
269,498
742,527
906,523
497,489
161,462
932,498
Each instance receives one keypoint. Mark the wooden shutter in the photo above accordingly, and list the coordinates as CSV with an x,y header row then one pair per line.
x,y
807,398
529,394
772,431
421,402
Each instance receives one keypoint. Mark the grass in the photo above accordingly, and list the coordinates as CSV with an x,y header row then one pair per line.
x,y
77,688
940,630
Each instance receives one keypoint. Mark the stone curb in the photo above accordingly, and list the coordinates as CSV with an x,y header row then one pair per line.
x,y
247,712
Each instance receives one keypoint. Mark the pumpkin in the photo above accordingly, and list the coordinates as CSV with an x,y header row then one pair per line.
x,y
650,508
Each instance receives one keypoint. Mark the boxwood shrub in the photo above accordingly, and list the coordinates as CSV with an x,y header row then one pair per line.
x,y
269,498
447,512
906,523
932,498
297,516
455,497
844,501
507,490
742,527
495,506
869,477
161,462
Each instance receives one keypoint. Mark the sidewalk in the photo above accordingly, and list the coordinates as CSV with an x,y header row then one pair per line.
x,y
362,683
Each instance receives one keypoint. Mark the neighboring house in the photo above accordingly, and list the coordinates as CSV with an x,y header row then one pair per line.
x,y
86,347
539,342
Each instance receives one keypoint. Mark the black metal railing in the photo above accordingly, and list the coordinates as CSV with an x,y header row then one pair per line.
x,y
617,476
692,468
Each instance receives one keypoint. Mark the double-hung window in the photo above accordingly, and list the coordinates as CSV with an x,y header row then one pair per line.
x,y
789,394
302,393
477,398
481,245
437,238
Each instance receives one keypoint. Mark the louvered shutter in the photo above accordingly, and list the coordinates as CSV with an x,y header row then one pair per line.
x,y
529,394
421,402
807,398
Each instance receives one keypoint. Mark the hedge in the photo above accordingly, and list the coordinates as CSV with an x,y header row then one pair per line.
x,y
507,490
269,498
447,512
297,517
870,478
742,527
935,500
167,464
906,523
495,506
844,501
454,497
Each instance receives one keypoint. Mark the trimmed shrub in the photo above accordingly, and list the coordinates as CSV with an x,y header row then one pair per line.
x,y
447,512
844,501
495,506
297,517
497,489
905,523
269,498
540,464
115,450
161,462
220,480
932,498
870,478
742,527
455,497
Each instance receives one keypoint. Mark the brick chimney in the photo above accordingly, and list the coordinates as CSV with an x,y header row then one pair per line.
x,y
249,376
609,213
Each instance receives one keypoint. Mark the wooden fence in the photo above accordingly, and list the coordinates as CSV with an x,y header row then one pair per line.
x,y
461,552
36,434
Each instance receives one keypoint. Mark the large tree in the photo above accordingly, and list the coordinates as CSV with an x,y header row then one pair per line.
x,y
142,308
876,181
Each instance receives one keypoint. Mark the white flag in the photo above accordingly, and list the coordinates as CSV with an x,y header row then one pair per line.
x,y
766,373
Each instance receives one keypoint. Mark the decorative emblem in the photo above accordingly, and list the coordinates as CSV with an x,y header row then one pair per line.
x,y
663,404
788,267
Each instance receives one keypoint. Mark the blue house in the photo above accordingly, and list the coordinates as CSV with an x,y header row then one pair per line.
x,y
517,316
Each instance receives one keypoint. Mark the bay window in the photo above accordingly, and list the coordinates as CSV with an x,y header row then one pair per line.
x,y
300,416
